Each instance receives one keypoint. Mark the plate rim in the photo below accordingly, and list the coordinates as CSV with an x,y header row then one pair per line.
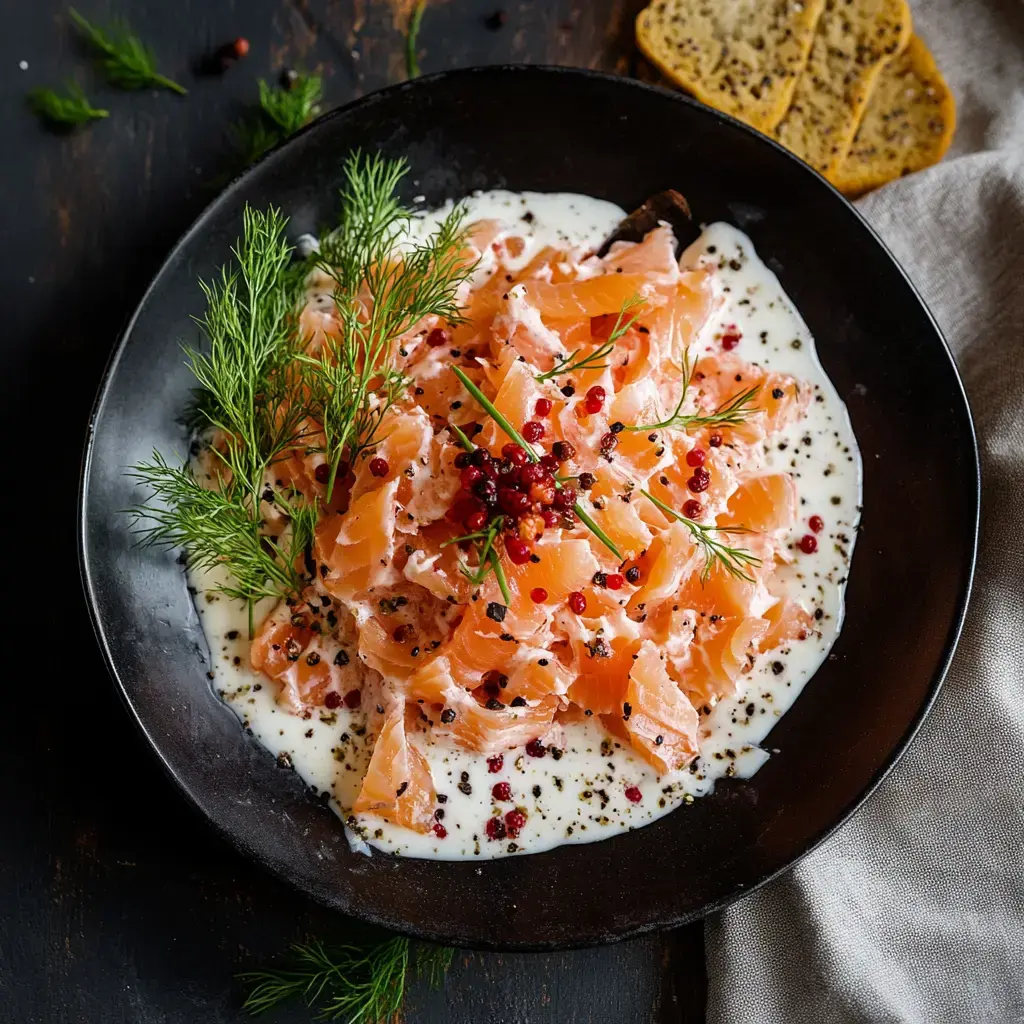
x,y
237,183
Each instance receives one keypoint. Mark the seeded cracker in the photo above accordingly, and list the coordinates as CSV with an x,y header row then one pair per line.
x,y
742,57
907,126
852,44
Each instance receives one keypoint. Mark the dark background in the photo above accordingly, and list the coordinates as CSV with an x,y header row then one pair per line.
x,y
117,904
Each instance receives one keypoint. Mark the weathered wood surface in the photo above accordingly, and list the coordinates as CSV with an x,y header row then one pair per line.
x,y
117,904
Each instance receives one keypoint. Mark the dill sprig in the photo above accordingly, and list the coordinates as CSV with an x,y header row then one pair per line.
x,y
294,107
250,325
491,411
573,363
247,404
282,112
379,294
462,439
735,561
731,413
126,61
412,64
219,527
70,110
355,984
487,557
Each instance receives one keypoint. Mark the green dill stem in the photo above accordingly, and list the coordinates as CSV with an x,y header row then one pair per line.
x,y
491,411
733,560
412,66
463,440
499,573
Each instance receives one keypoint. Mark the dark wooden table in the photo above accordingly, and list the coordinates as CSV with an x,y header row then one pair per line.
x,y
117,904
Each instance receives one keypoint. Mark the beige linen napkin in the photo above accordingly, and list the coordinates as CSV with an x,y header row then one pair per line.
x,y
914,912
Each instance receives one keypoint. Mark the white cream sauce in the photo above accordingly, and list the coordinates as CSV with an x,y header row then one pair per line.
x,y
581,796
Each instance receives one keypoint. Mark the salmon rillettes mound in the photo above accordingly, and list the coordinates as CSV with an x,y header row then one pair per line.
x,y
403,621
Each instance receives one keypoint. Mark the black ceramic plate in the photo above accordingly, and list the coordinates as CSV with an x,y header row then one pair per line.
x,y
562,130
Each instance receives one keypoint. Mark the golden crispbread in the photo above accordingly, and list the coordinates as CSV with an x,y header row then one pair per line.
x,y
852,44
742,57
907,126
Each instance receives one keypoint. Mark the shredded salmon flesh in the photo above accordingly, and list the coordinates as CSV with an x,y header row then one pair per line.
x,y
491,657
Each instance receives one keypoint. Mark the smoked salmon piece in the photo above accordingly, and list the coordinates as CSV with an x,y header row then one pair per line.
x,y
764,503
660,720
397,785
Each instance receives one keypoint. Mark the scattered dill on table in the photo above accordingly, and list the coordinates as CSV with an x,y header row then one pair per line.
x,y
355,984
69,111
124,59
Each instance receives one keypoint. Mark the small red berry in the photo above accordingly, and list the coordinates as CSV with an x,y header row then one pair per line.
x,y
543,406
240,47
476,521
693,509
551,518
565,498
594,402
633,794
515,454
495,763
332,700
353,699
502,791
517,550
437,337
549,462
514,502
379,467
469,476
816,523
322,473
577,602
538,595
533,431
695,457
808,543
715,441
514,821
495,828
563,451
699,481
536,749
731,338
614,581
531,474
439,830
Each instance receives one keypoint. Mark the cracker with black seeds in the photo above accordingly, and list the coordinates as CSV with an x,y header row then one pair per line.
x,y
908,124
742,57
853,42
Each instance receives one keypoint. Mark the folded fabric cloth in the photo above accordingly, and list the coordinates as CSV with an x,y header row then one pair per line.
x,y
914,911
